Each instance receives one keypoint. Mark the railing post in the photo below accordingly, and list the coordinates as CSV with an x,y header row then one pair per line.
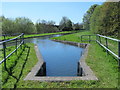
x,y
119,54
4,52
96,37
106,44
23,41
23,38
99,39
16,45
89,38
20,42
4,37
81,38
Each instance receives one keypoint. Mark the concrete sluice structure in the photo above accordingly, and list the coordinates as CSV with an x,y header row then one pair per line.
x,y
84,72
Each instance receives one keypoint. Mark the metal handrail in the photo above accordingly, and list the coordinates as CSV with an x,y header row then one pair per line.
x,y
108,38
10,34
15,50
11,39
11,53
108,50
106,47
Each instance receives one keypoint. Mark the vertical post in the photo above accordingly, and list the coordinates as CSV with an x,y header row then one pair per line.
x,y
23,41
78,71
20,42
23,38
16,45
96,37
44,69
99,39
89,38
119,54
81,38
4,52
106,44
4,37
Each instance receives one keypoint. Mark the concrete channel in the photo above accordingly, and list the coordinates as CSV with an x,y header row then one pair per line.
x,y
38,72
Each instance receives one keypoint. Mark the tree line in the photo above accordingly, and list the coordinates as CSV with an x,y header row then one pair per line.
x,y
103,19
25,25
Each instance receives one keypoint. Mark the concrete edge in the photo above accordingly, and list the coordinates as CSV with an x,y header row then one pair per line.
x,y
37,67
83,45
88,73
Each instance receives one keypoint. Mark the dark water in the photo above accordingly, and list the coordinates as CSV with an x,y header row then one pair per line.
x,y
61,59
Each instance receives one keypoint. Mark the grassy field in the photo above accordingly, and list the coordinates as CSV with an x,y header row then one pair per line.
x,y
104,66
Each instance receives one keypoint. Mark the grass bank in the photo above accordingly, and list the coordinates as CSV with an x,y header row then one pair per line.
x,y
103,65
37,35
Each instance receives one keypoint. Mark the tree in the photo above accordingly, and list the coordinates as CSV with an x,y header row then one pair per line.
x,y
87,16
95,20
40,26
24,25
65,24
43,26
8,26
105,19
77,26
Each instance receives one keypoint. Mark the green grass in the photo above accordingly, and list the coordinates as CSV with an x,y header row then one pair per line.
x,y
104,66
36,35
112,45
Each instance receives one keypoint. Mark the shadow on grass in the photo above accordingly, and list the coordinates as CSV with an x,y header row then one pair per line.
x,y
10,71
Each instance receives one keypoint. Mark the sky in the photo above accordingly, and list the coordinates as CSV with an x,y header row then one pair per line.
x,y
47,10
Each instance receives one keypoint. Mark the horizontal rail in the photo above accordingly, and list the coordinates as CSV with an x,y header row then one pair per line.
x,y
109,38
11,53
10,34
88,40
88,35
108,50
105,47
11,39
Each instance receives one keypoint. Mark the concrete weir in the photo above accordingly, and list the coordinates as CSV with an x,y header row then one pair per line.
x,y
38,72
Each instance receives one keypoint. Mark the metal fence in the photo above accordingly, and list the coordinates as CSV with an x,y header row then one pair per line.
x,y
105,46
8,35
19,39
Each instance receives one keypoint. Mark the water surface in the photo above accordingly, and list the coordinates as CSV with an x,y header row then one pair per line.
x,y
61,59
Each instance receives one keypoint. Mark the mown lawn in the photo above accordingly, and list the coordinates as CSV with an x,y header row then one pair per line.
x,y
103,65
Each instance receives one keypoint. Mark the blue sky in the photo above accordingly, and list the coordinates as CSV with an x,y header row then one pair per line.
x,y
47,10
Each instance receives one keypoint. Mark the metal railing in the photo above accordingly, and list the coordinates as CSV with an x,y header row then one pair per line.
x,y
8,35
89,37
106,46
19,39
